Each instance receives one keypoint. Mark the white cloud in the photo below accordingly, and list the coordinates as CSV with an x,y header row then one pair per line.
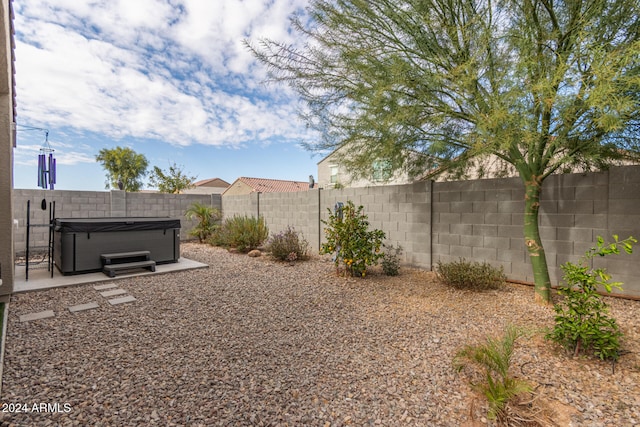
x,y
175,71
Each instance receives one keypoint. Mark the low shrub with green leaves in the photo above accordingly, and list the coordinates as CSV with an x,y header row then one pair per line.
x,y
288,245
241,232
463,274
391,260
582,323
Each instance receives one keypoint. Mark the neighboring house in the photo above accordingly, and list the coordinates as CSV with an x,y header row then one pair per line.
x,y
208,186
244,185
332,173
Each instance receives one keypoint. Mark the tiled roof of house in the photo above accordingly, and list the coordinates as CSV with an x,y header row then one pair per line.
x,y
263,185
211,182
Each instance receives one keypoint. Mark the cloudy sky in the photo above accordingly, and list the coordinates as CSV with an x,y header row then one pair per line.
x,y
170,79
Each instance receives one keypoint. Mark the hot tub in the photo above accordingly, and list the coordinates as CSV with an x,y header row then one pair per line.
x,y
79,242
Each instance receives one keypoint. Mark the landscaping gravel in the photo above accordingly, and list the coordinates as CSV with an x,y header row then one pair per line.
x,y
255,342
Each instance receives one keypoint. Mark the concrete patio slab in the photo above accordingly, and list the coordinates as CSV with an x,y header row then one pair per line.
x,y
105,287
83,307
36,316
113,293
122,300
40,279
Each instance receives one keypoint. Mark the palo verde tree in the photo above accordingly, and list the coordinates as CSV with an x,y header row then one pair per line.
x,y
123,165
544,86
172,181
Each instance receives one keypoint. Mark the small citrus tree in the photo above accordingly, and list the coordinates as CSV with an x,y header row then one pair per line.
x,y
350,240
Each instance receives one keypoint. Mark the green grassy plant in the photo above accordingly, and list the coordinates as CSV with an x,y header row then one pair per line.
x,y
493,359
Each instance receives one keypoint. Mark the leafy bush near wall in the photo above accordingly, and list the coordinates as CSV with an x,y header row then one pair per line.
x,y
241,232
582,322
288,245
391,260
350,240
463,274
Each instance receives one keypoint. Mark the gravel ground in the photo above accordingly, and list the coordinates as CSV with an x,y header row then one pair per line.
x,y
250,341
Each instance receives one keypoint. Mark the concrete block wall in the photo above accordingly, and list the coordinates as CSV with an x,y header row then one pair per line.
x,y
483,221
97,204
297,209
479,220
623,219
240,205
401,211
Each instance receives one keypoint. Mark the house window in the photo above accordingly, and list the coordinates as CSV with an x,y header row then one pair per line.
x,y
381,170
334,173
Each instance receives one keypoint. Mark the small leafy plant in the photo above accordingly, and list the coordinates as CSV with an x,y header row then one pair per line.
x,y
463,274
207,218
288,245
492,360
582,322
348,237
241,232
391,260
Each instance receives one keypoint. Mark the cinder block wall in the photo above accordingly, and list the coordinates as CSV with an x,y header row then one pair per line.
x,y
240,205
98,204
479,220
297,209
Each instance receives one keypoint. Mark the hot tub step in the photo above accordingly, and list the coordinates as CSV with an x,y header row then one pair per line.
x,y
124,257
112,269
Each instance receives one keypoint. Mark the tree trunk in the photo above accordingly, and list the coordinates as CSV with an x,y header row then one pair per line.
x,y
533,242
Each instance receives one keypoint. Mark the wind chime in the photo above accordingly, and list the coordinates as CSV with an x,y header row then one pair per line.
x,y
46,165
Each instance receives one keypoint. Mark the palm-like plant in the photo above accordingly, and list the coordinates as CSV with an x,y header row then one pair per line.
x,y
207,218
494,358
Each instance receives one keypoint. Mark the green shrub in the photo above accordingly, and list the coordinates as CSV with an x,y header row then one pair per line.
x,y
207,218
288,245
350,240
463,274
581,321
241,232
493,359
391,260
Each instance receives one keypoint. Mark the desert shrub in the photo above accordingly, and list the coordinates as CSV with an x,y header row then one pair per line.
x,y
582,322
491,361
391,260
288,245
350,240
463,274
241,232
207,218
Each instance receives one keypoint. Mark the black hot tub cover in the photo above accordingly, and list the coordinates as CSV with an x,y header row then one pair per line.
x,y
96,225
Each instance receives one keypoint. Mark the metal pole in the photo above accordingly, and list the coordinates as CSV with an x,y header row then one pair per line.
x,y
26,269
319,219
